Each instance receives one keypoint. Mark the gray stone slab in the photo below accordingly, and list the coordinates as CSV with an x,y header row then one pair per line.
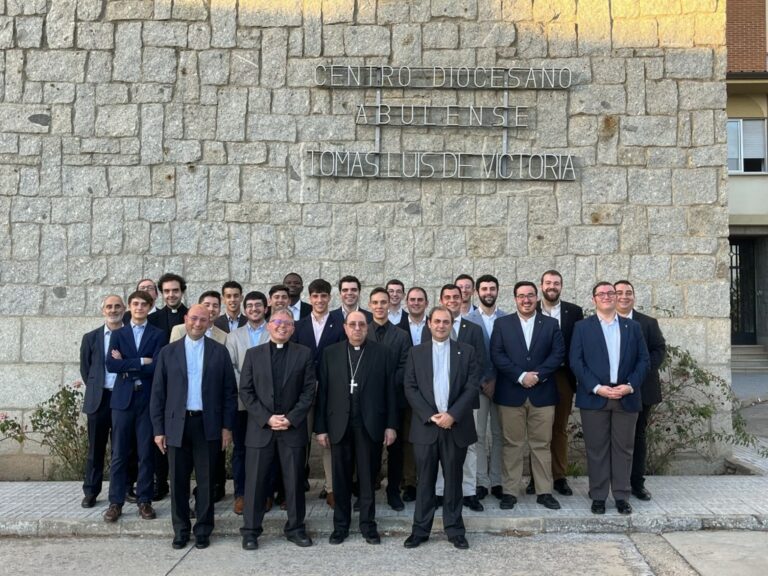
x,y
716,553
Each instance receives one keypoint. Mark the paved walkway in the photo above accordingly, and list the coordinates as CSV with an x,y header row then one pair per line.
x,y
680,503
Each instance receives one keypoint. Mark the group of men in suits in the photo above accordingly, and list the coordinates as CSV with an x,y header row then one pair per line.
x,y
454,396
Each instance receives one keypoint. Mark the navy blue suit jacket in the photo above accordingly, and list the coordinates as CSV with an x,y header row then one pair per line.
x,y
512,357
92,368
333,332
168,407
129,368
589,362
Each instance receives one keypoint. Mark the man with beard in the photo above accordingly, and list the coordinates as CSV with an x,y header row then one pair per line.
x,y
295,285
418,301
657,349
173,287
252,334
98,394
488,470
356,414
526,349
566,314
398,343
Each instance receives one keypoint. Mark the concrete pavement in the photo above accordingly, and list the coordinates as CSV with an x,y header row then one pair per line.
x,y
680,503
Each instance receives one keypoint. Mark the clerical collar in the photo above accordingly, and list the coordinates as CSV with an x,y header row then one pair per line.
x,y
277,345
440,344
357,348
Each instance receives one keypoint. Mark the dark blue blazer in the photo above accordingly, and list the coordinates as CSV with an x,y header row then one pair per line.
x,y
168,407
129,368
512,357
589,362
340,314
92,368
333,332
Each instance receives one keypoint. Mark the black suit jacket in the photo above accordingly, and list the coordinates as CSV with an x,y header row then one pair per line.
x,y
92,368
168,406
166,320
464,391
569,314
375,378
305,310
657,350
470,333
304,334
399,344
222,322
340,314
257,393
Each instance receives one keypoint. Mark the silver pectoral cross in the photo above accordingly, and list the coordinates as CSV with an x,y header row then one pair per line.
x,y
352,386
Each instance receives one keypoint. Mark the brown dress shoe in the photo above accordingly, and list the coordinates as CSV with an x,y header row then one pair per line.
x,y
146,511
237,507
330,500
113,513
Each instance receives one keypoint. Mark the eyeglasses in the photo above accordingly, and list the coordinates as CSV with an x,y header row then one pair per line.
x,y
526,296
605,295
278,323
355,325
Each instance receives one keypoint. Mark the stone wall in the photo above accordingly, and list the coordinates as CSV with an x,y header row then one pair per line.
x,y
144,136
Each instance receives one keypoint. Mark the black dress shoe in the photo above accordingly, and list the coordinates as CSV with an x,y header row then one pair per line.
x,y
531,488
439,501
300,539
250,543
459,542
598,507
160,492
130,495
323,494
202,542
409,494
623,507
337,537
507,502
89,501
482,492
641,494
473,503
497,491
548,501
372,537
561,485
180,542
395,502
414,541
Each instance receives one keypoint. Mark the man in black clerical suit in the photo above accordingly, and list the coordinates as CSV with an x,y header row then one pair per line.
x,y
657,350
442,381
356,414
398,342
277,387
172,286
193,410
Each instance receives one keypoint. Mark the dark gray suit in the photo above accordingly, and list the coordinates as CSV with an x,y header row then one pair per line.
x,y
434,445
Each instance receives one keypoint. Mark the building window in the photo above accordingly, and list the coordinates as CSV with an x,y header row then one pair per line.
x,y
746,146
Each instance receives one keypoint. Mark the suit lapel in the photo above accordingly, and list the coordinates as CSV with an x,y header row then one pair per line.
x,y
599,338
453,370
624,335
207,354
181,358
517,328
429,393
537,327
265,360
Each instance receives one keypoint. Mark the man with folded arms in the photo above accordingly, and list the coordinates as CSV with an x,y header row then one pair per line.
x,y
526,348
277,387
610,360
194,402
133,351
